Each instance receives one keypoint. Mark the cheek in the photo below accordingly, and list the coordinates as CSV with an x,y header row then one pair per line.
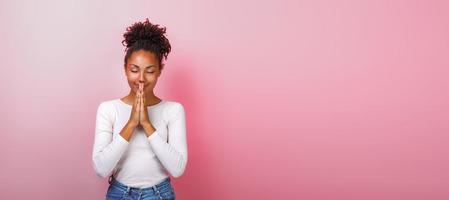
x,y
152,78
132,78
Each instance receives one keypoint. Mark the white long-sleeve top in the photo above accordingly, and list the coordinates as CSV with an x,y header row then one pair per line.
x,y
143,161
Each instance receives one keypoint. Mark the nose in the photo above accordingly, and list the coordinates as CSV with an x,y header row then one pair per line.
x,y
142,77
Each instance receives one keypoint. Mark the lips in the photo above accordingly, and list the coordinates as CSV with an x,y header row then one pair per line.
x,y
137,86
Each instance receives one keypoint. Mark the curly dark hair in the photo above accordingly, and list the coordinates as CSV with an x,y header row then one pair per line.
x,y
146,36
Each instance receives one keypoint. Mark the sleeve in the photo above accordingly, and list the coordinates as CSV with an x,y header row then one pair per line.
x,y
172,154
106,151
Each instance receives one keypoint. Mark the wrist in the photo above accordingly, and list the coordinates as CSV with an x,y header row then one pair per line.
x,y
148,127
131,124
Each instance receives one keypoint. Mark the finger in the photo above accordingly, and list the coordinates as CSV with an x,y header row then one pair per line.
x,y
136,99
142,102
138,106
134,104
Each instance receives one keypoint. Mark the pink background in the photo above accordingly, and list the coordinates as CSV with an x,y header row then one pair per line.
x,y
284,99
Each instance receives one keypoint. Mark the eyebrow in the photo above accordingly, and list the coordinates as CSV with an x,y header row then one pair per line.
x,y
145,67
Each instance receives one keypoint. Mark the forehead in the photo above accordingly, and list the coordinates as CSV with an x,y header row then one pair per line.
x,y
142,58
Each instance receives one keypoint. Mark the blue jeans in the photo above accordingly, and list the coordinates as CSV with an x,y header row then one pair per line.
x,y
119,191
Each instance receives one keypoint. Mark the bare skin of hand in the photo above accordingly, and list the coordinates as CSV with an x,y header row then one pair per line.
x,y
133,121
144,120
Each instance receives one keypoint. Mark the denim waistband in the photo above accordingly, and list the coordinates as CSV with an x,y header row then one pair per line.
x,y
157,187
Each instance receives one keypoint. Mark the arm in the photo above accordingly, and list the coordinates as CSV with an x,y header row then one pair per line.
x,y
106,151
173,155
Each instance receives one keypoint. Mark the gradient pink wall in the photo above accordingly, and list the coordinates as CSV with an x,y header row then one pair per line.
x,y
284,99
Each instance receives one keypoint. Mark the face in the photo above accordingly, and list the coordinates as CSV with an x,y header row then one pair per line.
x,y
142,67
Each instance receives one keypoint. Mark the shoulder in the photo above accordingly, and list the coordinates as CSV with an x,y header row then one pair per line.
x,y
107,106
173,109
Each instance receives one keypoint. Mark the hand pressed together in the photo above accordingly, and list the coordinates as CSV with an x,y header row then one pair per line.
x,y
144,119
139,112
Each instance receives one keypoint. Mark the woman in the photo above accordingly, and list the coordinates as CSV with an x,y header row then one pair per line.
x,y
140,139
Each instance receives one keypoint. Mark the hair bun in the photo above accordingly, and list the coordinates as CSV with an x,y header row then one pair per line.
x,y
143,32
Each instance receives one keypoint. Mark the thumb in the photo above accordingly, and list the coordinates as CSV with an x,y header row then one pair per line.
x,y
142,104
138,106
